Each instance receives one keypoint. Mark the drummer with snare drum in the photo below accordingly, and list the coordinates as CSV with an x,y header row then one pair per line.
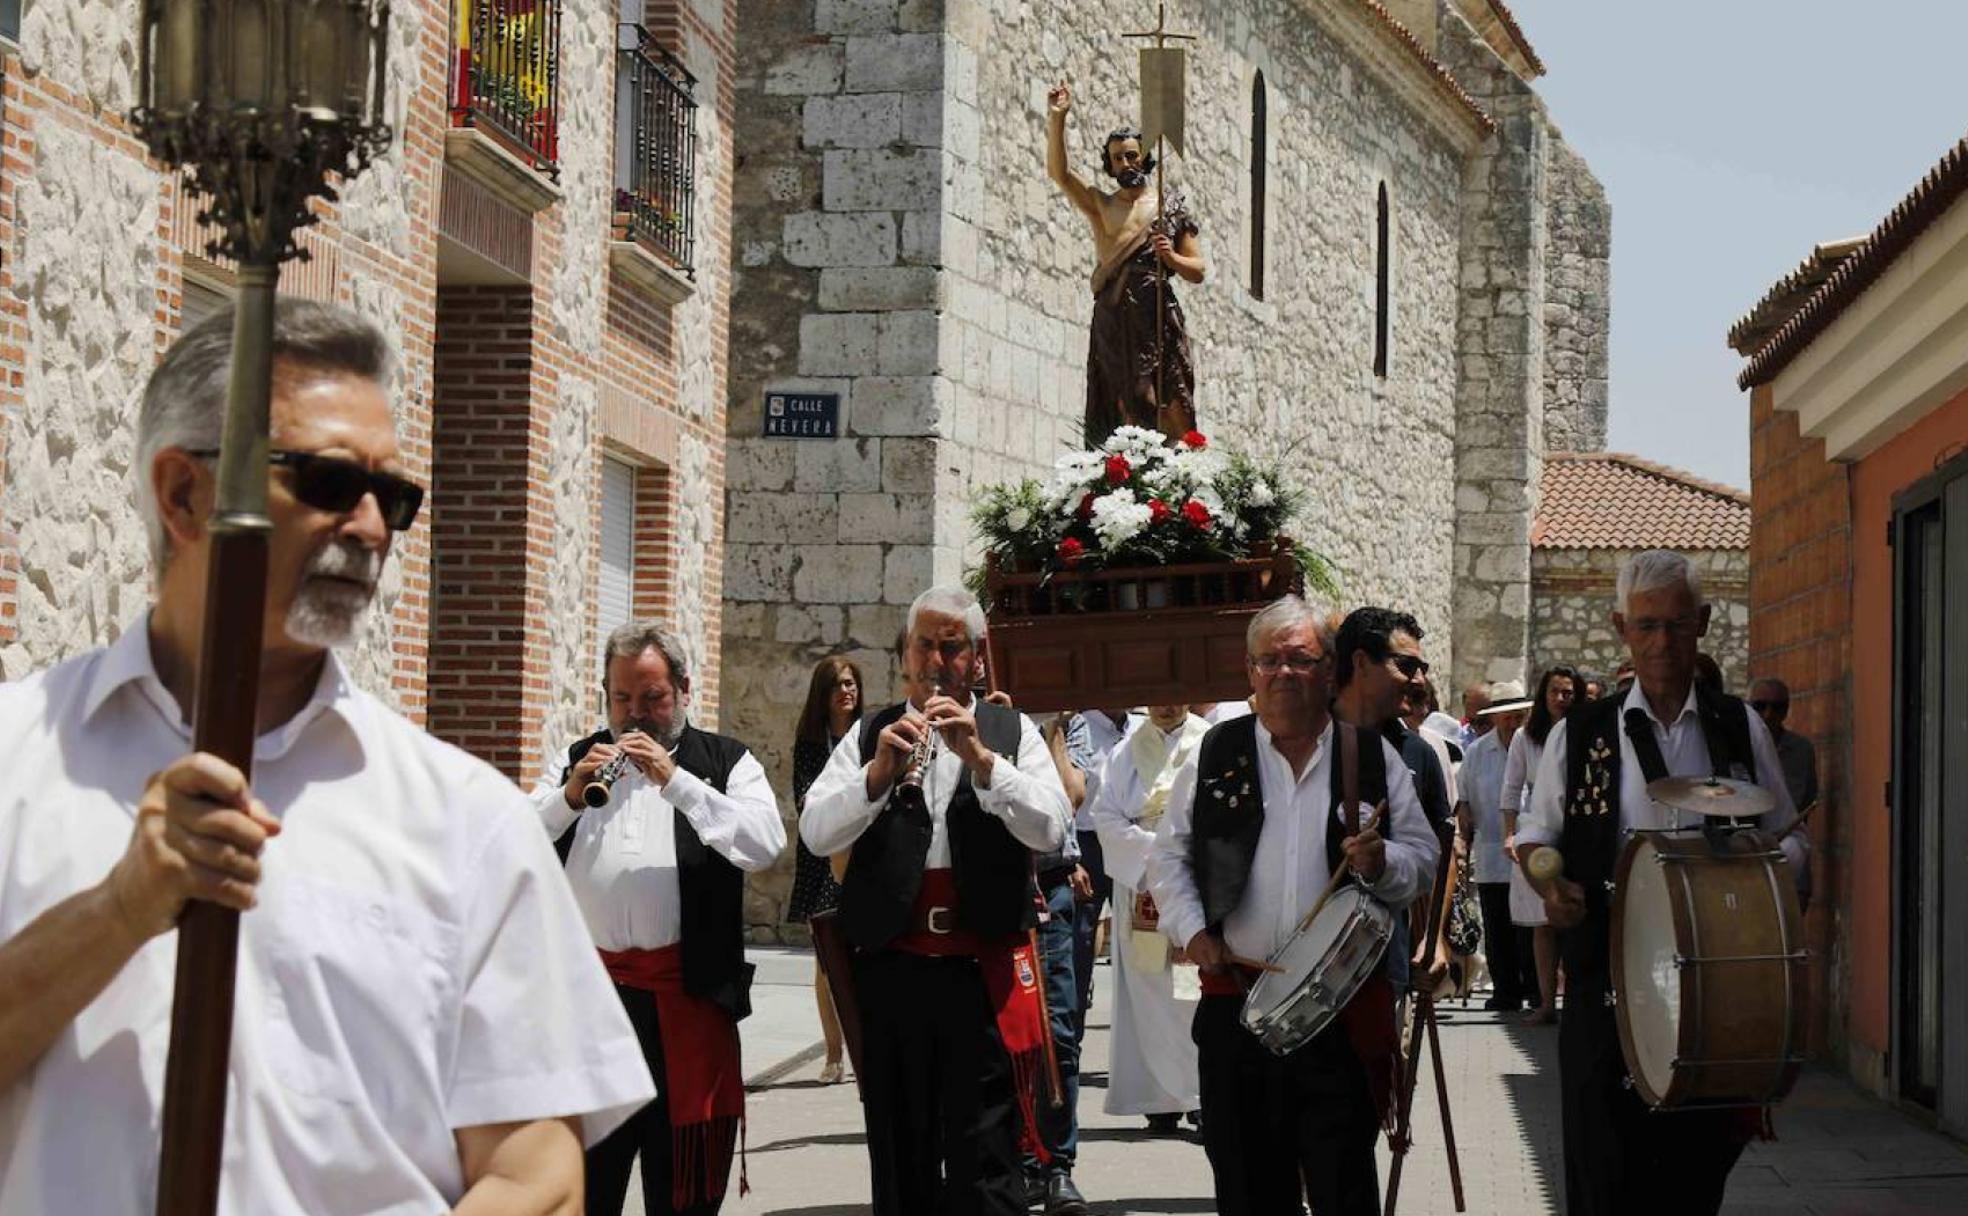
x,y
1589,798
1254,833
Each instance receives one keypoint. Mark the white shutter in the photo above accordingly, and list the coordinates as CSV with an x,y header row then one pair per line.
x,y
616,594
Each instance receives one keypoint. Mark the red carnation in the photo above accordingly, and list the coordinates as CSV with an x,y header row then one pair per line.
x,y
1085,510
1194,439
1158,511
1118,468
1196,513
1071,551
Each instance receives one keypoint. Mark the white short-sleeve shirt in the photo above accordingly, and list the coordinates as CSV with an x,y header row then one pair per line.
x,y
416,964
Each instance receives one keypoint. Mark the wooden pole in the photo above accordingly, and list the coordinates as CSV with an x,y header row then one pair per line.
x,y
224,720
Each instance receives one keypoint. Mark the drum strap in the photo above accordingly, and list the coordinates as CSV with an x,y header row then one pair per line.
x,y
1349,777
1646,748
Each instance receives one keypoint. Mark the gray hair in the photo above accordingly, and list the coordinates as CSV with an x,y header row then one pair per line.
x,y
1656,570
949,600
185,399
629,640
1284,612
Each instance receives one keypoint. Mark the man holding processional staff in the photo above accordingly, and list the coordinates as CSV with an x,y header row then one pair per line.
x,y
421,1024
1256,831
1590,796
943,799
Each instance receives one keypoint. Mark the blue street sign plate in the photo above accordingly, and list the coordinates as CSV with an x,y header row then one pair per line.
x,y
802,415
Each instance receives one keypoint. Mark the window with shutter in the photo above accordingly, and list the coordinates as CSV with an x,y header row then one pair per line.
x,y
615,595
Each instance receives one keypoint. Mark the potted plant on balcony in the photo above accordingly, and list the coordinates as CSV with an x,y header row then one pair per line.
x,y
1134,567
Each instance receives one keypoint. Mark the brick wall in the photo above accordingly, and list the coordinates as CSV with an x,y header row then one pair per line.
x,y
1800,632
483,469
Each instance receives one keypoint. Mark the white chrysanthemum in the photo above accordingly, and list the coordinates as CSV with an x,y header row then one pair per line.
x,y
1200,465
1018,519
1261,493
1119,518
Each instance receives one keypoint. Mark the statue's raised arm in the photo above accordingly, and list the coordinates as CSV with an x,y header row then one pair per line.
x,y
1059,102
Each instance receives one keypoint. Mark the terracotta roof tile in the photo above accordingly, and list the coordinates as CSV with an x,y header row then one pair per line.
x,y
1943,186
1517,35
1788,294
1608,500
1444,79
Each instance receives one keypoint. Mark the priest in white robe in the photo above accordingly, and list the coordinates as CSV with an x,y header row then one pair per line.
x,y
1152,1060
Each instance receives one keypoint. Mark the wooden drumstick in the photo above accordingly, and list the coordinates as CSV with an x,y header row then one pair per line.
x,y
1373,824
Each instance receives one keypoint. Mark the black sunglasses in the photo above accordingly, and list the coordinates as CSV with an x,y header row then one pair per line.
x,y
1409,665
330,483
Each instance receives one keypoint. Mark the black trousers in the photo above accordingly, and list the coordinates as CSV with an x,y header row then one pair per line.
x,y
1622,1159
1507,947
937,1091
647,1132
1278,1130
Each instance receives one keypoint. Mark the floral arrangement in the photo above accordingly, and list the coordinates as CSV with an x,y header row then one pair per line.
x,y
1139,500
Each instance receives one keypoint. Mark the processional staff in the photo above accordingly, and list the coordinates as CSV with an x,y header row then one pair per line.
x,y
1164,102
258,101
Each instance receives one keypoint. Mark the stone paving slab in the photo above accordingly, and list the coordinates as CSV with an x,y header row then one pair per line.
x,y
1840,1153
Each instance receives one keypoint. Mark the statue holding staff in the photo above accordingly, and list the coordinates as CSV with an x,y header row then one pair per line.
x,y
1138,368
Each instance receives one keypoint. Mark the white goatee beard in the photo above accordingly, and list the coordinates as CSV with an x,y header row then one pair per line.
x,y
326,609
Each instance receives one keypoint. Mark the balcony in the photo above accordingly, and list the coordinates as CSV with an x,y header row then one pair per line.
x,y
655,167
505,89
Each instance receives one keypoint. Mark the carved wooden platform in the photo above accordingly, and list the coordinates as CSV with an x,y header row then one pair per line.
x,y
1113,639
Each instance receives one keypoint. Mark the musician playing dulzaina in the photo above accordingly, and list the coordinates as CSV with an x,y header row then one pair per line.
x,y
1589,797
937,901
658,870
419,1023
1254,831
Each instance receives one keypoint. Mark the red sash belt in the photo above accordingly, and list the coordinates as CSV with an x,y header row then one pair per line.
x,y
701,1070
1011,981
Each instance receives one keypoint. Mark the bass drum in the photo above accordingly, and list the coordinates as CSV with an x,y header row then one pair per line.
x,y
1319,969
1708,968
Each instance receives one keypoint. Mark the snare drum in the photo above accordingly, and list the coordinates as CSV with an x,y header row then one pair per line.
x,y
1708,968
1322,966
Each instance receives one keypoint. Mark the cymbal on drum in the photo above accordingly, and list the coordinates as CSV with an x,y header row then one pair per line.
x,y
1723,797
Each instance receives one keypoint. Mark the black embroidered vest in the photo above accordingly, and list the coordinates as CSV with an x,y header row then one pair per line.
x,y
1229,810
1591,839
710,889
993,871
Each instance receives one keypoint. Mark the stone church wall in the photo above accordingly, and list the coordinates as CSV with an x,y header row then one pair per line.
x,y
1572,594
1577,303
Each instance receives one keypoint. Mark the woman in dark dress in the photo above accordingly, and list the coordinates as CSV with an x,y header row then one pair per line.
x,y
833,707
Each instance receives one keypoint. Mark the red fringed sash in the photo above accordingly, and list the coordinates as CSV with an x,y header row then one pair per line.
x,y
1011,981
701,1068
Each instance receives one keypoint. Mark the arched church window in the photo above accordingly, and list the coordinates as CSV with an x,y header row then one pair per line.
x,y
1260,146
1381,230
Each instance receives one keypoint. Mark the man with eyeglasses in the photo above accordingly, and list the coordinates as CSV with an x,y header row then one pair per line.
x,y
1770,698
1590,795
1254,830
420,1024
658,822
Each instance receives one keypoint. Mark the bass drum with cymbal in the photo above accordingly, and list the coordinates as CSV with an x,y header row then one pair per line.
x,y
1708,968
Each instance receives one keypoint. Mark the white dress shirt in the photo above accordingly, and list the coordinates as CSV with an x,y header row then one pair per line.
x,y
1685,750
1026,797
1103,736
1290,870
415,964
1482,789
623,863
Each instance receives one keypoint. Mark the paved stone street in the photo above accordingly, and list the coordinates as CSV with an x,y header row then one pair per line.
x,y
1839,1152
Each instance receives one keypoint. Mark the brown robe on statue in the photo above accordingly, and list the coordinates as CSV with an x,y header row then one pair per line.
x,y
1122,348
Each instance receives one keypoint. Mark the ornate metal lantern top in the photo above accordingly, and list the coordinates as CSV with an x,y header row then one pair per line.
x,y
260,100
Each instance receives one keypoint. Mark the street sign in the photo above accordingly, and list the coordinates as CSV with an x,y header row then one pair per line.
x,y
802,415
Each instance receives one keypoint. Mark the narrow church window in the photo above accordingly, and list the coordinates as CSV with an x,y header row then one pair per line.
x,y
1380,285
1260,146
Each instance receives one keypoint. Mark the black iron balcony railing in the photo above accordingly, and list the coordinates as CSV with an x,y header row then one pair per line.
x,y
506,75
655,149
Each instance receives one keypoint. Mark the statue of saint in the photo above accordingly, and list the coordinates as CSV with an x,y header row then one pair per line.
x,y
1138,370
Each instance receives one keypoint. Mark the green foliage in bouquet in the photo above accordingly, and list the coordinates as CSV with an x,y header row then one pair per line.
x,y
1140,501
